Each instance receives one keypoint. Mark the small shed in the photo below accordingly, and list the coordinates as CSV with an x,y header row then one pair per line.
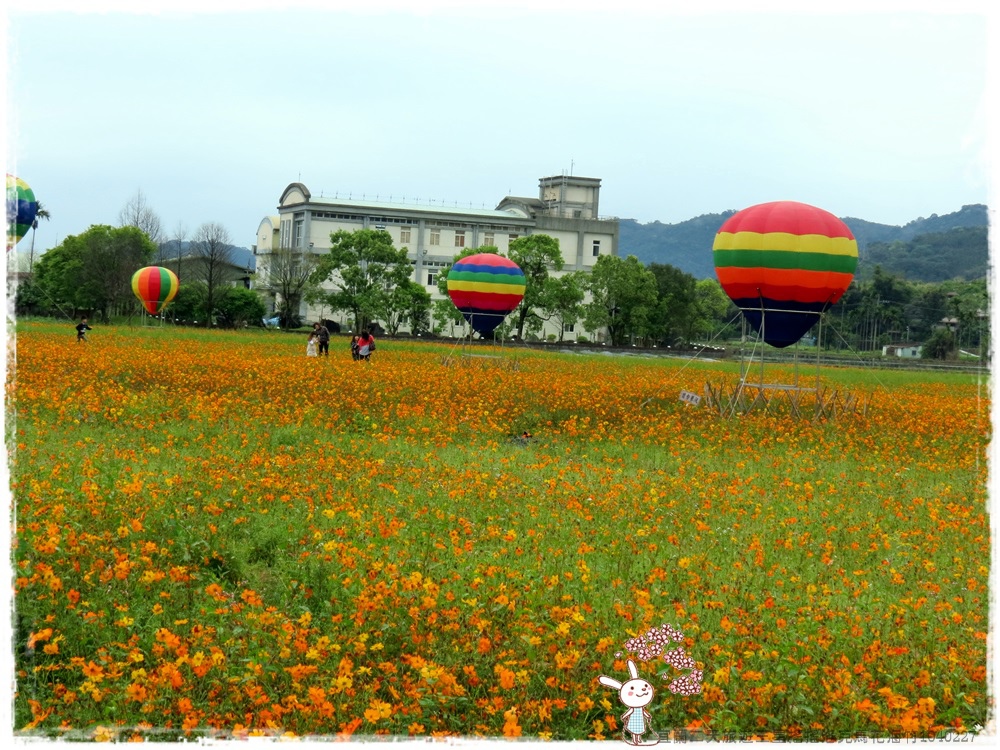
x,y
907,351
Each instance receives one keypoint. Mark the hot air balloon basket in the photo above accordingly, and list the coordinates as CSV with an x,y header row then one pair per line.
x,y
820,404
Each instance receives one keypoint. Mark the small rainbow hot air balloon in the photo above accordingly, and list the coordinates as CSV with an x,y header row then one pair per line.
x,y
155,287
784,263
21,209
485,288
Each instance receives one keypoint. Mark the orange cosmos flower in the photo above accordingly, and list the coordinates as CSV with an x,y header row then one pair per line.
x,y
93,671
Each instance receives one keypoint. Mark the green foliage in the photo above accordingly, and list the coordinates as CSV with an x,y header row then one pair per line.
x,y
190,303
675,305
687,309
961,253
238,306
407,303
29,299
234,305
623,298
887,309
92,271
563,299
364,268
714,308
941,345
446,316
535,254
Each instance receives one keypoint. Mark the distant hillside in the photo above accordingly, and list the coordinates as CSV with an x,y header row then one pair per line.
x,y
959,253
688,245
241,256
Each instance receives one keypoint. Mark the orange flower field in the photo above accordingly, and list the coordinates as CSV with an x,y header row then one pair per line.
x,y
218,537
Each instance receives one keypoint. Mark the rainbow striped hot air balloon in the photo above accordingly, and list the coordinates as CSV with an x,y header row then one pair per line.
x,y
155,287
485,288
21,209
784,263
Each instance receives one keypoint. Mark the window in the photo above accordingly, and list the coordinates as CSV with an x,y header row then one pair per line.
x,y
597,248
404,234
431,278
459,238
299,227
488,239
568,328
435,236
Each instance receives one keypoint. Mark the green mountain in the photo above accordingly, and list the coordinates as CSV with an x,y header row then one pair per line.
x,y
921,250
959,253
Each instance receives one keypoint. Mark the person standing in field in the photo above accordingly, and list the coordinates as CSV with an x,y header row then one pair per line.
x,y
322,338
354,347
366,345
311,344
81,330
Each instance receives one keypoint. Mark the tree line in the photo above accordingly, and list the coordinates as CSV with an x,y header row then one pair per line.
x,y
366,278
946,317
91,273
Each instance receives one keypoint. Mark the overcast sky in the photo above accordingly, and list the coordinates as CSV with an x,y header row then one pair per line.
x,y
875,115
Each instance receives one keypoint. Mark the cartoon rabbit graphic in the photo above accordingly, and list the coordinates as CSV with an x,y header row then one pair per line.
x,y
636,694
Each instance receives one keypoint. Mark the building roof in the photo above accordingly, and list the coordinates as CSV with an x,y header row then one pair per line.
x,y
526,206
368,205
438,208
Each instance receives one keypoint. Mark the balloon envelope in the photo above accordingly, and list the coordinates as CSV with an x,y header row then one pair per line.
x,y
783,263
21,209
485,287
155,287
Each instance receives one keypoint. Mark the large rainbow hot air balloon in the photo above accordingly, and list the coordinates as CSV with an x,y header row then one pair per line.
x,y
784,263
485,288
155,287
21,209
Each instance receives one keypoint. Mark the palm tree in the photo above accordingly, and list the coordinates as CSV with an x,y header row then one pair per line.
x,y
40,213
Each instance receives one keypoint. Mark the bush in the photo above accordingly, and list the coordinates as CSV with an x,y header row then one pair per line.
x,y
941,345
237,307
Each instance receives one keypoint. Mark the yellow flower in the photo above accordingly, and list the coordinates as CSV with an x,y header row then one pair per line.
x,y
377,710
104,734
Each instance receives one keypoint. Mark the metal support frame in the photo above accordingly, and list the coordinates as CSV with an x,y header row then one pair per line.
x,y
467,358
749,395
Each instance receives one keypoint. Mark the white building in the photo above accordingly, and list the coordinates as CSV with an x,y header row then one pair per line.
x,y
907,351
566,209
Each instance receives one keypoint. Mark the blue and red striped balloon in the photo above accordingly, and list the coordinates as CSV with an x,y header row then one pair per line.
x,y
485,288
